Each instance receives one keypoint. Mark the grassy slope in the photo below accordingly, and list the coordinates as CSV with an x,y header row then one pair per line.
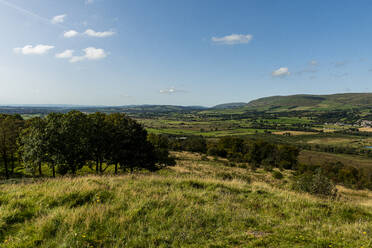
x,y
194,204
313,102
318,158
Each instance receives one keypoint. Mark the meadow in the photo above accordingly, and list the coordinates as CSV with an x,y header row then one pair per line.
x,y
200,202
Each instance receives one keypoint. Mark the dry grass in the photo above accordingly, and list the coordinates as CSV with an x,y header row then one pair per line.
x,y
365,129
294,133
198,203
319,158
329,141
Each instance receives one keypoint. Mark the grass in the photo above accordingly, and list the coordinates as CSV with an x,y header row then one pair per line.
x,y
319,158
356,142
295,133
200,202
221,133
365,129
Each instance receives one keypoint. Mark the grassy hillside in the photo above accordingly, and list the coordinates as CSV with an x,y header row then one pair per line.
x,y
230,105
198,203
313,102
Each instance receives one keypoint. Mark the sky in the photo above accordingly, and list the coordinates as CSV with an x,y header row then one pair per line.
x,y
181,52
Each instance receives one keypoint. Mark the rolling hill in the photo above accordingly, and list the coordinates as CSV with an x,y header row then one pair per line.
x,y
313,102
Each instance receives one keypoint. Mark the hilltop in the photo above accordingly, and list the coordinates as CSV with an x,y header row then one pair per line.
x,y
201,202
313,102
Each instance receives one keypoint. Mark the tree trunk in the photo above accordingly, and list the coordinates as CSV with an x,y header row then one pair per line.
x,y
54,170
40,172
100,167
6,166
116,168
12,160
97,166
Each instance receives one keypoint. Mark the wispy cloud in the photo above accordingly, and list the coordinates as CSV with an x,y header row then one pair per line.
x,y
29,49
340,63
91,53
25,11
92,33
58,19
281,72
306,70
70,34
171,90
313,63
89,1
233,39
65,55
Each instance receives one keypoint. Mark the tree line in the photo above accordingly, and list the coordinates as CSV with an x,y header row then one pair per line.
x,y
268,155
67,142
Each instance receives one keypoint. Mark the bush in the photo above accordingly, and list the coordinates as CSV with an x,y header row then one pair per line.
x,y
277,175
317,184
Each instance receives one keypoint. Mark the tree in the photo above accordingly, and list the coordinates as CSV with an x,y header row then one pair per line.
x,y
129,145
99,139
161,146
53,141
34,145
10,127
73,152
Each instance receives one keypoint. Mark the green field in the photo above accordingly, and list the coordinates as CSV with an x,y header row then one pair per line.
x,y
319,158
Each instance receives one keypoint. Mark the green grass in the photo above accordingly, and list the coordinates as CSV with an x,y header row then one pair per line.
x,y
320,158
198,203
222,133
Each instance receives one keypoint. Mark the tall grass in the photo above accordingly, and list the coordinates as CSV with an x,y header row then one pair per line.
x,y
194,204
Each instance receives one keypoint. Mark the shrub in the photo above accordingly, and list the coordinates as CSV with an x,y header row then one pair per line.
x,y
277,175
317,184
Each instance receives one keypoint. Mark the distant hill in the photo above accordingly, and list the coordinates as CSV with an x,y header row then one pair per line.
x,y
344,101
230,105
313,102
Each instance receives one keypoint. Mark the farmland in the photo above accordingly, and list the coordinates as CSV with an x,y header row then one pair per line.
x,y
263,177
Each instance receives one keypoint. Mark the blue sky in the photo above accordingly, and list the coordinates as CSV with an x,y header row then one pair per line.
x,y
191,52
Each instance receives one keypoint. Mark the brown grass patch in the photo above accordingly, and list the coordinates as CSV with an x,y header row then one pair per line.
x,y
365,129
294,133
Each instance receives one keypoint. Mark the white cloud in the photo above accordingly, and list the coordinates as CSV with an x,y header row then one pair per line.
x,y
89,1
314,62
58,19
171,90
94,53
233,39
29,49
70,33
91,32
77,59
281,72
91,53
65,55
